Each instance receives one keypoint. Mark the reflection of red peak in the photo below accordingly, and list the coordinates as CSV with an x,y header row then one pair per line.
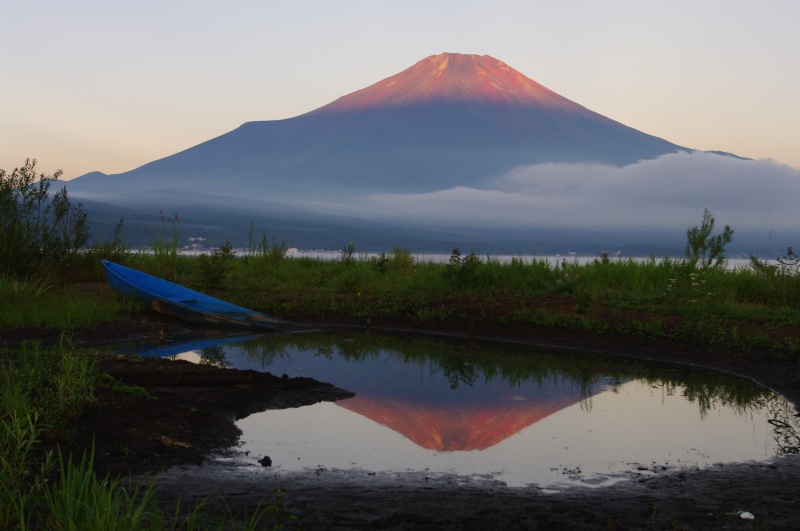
x,y
449,428
453,77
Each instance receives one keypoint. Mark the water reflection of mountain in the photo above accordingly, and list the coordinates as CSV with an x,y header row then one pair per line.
x,y
444,402
451,427
450,396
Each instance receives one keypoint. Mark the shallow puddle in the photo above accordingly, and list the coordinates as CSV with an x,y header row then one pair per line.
x,y
504,413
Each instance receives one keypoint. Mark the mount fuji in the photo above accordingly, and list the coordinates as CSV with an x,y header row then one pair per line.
x,y
453,125
449,120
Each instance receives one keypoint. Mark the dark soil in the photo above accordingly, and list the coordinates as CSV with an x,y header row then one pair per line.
x,y
187,413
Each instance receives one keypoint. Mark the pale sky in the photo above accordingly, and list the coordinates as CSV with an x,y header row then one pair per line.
x,y
109,86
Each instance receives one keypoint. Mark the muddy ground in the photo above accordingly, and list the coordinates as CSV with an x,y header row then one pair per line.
x,y
185,419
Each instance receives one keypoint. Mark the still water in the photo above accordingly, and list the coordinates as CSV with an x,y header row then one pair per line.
x,y
492,412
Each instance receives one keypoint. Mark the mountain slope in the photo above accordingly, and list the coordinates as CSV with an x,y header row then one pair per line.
x,y
449,120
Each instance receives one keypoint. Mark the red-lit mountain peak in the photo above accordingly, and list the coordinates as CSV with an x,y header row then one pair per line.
x,y
452,77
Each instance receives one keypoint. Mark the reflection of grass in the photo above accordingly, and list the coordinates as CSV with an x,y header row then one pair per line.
x,y
463,363
786,427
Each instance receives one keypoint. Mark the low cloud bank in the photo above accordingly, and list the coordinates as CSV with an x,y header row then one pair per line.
x,y
665,193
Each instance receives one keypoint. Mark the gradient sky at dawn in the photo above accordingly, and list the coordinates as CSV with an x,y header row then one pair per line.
x,y
109,86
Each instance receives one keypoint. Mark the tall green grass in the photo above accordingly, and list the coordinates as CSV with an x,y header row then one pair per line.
x,y
665,283
43,392
38,302
673,297
81,500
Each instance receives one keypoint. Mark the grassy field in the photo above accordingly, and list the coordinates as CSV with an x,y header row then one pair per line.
x,y
754,307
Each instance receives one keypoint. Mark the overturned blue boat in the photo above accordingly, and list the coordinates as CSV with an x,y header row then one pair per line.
x,y
189,305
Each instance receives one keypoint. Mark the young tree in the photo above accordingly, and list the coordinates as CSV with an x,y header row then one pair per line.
x,y
702,248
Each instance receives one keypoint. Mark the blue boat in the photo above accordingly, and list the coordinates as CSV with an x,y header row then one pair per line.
x,y
183,303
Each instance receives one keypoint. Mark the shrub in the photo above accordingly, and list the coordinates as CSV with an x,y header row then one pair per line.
x,y
214,269
37,228
265,254
701,247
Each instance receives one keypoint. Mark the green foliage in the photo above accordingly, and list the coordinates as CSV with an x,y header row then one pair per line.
x,y
776,283
400,261
165,245
348,252
115,250
788,265
37,302
677,299
42,392
266,250
165,238
55,384
38,229
463,270
214,269
264,258
21,484
82,500
702,248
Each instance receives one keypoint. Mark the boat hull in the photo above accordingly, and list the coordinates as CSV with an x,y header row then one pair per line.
x,y
186,304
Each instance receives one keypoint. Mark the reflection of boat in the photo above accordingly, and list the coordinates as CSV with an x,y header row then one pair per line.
x,y
181,345
175,300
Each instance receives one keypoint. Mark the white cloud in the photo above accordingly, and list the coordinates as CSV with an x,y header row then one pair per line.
x,y
665,193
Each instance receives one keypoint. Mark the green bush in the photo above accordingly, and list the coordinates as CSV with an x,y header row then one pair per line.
x,y
37,228
702,248
215,268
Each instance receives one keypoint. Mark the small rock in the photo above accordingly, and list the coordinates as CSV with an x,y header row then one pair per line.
x,y
265,461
